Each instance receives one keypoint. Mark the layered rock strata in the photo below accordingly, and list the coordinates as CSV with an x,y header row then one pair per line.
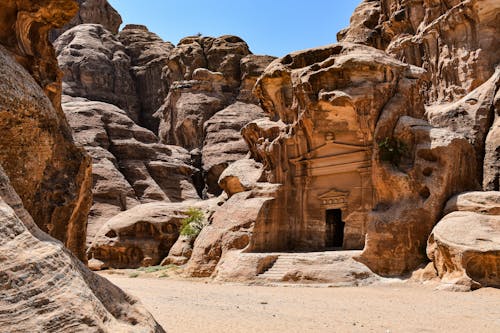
x,y
465,245
33,262
43,286
129,165
51,175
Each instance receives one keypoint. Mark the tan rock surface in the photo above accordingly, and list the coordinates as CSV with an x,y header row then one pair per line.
x,y
491,179
230,228
51,175
33,263
96,66
223,143
477,202
453,40
129,165
465,245
144,234
92,11
241,176
149,55
465,249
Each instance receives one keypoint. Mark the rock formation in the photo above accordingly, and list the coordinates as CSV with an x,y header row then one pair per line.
x,y
353,146
149,55
116,87
367,145
44,287
33,263
51,175
465,245
210,79
96,67
144,234
129,165
92,11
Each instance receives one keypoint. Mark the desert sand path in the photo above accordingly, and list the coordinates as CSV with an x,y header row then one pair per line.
x,y
198,307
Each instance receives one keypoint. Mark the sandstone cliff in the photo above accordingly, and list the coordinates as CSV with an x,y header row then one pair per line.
x,y
51,175
380,140
45,287
125,93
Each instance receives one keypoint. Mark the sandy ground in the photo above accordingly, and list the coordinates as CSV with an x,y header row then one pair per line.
x,y
192,306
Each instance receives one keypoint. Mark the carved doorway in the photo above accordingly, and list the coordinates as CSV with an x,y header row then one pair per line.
x,y
334,238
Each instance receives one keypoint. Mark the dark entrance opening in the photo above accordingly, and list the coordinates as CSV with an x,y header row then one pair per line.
x,y
334,228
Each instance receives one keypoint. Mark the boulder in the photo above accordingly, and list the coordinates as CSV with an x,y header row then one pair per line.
x,y
465,249
231,228
241,176
142,235
465,245
476,202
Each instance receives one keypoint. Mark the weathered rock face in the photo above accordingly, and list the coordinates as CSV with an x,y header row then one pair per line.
x,y
49,173
33,262
453,40
129,165
472,116
323,153
491,167
465,245
92,11
25,25
206,76
149,54
142,235
53,179
96,67
223,142
410,197
230,229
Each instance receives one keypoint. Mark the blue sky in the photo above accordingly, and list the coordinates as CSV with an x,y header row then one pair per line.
x,y
274,27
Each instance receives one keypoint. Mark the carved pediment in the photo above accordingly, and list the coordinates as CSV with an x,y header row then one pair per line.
x,y
333,193
333,197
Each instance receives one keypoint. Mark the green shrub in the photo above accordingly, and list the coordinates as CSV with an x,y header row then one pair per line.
x,y
133,275
193,223
392,150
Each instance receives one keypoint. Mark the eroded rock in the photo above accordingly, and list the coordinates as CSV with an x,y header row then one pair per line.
x,y
142,235
51,175
92,11
129,165
96,66
34,262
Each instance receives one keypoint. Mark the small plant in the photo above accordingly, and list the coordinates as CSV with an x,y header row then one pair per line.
x,y
193,223
133,275
392,150
152,269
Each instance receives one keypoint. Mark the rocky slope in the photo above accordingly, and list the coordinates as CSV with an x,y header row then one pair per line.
x,y
45,287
